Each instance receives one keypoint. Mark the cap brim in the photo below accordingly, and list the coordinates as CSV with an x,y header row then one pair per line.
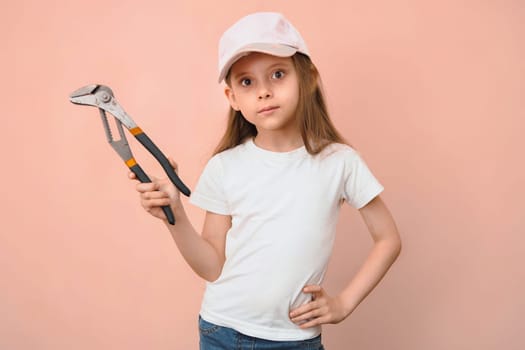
x,y
270,49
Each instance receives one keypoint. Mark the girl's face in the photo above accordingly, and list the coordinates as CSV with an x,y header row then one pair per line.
x,y
265,89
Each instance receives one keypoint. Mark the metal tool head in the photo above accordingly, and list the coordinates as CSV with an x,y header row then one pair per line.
x,y
102,97
91,95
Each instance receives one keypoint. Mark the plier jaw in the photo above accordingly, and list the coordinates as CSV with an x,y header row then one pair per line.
x,y
79,96
102,97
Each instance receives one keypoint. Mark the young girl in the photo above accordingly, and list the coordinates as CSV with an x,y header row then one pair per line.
x,y
272,194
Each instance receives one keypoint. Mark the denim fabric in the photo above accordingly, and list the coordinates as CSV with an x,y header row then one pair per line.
x,y
214,337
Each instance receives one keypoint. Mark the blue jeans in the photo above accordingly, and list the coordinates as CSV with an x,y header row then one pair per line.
x,y
214,337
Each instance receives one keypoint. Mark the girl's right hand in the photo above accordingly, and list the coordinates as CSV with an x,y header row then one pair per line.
x,y
157,193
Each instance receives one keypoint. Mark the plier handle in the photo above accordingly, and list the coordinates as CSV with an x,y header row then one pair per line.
x,y
102,97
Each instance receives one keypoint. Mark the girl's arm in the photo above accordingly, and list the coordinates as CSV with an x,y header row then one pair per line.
x,y
387,246
204,253
386,249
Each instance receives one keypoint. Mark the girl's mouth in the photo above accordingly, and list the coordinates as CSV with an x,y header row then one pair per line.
x,y
267,110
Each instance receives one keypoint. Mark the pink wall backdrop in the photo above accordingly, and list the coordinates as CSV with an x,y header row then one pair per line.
x,y
430,92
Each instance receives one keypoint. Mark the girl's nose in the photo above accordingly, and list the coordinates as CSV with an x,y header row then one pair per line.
x,y
264,92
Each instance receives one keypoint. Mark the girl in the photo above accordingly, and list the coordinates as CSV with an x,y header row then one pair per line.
x,y
272,193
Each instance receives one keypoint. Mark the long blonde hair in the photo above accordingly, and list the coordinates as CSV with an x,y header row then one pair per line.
x,y
317,130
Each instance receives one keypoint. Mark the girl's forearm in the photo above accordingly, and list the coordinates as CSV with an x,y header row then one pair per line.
x,y
381,257
198,253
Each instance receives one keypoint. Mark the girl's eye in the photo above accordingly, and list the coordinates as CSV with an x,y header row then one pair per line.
x,y
278,74
246,82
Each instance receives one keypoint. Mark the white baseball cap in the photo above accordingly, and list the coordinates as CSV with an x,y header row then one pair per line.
x,y
265,32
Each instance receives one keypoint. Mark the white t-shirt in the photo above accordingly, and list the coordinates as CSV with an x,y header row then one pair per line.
x,y
284,208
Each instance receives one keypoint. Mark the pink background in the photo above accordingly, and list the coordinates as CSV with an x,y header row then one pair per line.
x,y
430,92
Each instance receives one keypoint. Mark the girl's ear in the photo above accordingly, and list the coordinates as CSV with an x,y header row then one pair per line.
x,y
231,97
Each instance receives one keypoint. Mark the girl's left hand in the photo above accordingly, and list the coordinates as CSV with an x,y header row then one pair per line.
x,y
322,309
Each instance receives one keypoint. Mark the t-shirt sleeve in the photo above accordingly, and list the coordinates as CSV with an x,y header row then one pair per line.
x,y
209,192
360,185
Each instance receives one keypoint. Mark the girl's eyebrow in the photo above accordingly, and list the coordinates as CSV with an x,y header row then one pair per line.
x,y
280,65
235,76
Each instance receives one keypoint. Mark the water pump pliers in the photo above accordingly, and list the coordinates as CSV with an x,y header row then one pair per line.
x,y
102,97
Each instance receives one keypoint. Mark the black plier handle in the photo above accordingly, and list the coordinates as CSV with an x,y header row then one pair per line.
x,y
102,97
